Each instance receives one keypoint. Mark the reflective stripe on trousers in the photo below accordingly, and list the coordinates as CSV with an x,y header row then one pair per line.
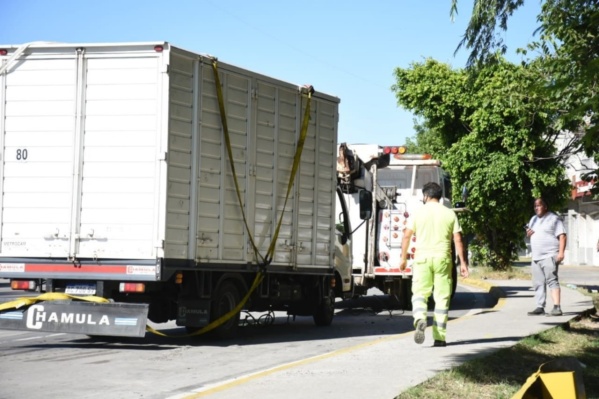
x,y
432,274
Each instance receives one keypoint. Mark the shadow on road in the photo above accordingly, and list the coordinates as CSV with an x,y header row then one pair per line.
x,y
348,323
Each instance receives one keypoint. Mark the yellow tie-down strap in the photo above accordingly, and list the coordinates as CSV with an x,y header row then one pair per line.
x,y
57,296
223,318
49,296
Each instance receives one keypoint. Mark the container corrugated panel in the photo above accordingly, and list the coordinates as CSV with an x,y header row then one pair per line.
x,y
117,151
264,118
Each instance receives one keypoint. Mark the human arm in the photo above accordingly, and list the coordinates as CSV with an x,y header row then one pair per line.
x,y
562,248
459,247
405,243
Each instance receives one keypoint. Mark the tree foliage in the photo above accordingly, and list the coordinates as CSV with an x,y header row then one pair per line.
x,y
567,51
488,125
425,141
569,48
494,124
482,36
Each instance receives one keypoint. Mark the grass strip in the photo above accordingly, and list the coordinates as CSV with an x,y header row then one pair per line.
x,y
501,374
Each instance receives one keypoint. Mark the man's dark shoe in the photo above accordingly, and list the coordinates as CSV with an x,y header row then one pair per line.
x,y
556,311
537,312
419,335
441,344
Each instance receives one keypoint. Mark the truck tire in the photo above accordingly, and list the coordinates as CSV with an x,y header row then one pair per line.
x,y
325,310
226,298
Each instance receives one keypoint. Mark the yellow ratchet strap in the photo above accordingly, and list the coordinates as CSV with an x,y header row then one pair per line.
x,y
221,319
298,153
263,260
49,296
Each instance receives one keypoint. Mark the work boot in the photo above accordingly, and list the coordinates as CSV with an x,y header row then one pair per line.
x,y
419,335
440,344
556,311
537,312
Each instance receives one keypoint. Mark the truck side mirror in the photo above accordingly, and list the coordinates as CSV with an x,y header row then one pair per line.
x,y
365,204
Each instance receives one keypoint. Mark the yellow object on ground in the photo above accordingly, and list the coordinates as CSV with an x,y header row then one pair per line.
x,y
559,378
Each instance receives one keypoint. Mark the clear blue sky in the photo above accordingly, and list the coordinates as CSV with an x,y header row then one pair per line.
x,y
345,48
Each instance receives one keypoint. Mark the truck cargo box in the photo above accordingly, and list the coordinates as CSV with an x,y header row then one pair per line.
x,y
114,162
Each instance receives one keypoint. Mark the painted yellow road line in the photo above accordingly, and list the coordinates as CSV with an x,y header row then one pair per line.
x,y
224,385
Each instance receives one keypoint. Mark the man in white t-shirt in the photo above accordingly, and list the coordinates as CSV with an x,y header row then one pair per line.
x,y
548,243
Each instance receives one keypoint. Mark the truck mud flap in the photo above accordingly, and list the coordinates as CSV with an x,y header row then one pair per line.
x,y
112,319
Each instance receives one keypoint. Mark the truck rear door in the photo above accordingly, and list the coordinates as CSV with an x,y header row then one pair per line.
x,y
39,105
79,154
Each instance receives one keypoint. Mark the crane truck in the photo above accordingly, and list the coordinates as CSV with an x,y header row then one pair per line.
x,y
395,179
144,182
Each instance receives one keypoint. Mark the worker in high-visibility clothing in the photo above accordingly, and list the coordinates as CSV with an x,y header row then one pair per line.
x,y
435,226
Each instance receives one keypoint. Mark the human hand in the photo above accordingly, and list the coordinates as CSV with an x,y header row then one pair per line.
x,y
529,232
464,272
402,264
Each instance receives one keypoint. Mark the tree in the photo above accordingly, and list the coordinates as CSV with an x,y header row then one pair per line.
x,y
568,52
492,123
481,35
569,48
426,140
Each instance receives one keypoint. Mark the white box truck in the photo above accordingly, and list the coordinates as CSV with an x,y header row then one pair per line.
x,y
143,181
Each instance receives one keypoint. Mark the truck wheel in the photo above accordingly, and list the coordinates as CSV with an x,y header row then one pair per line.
x,y
325,310
227,297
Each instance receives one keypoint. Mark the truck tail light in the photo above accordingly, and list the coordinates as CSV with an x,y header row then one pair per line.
x,y
3,51
29,285
132,287
394,150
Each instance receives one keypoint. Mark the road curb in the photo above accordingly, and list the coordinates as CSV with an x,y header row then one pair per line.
x,y
499,294
495,291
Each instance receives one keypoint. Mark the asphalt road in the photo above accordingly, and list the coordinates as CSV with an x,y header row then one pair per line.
x,y
65,365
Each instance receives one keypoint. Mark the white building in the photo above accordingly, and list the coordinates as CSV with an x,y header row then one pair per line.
x,y
582,216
